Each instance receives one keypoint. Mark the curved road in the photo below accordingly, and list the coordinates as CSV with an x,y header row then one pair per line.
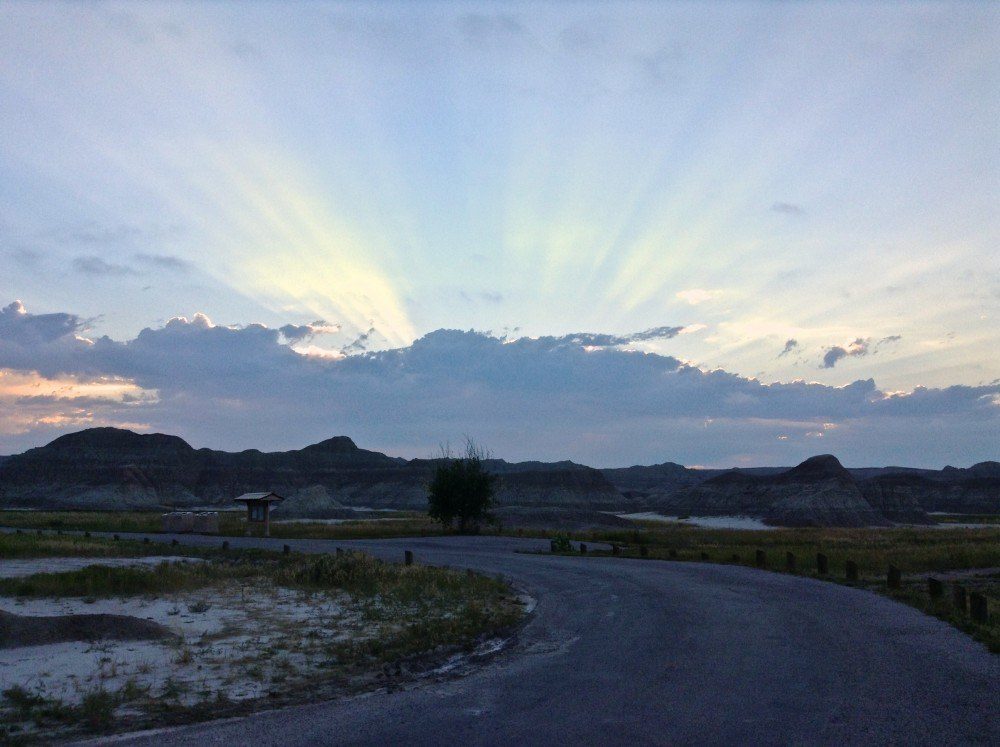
x,y
652,652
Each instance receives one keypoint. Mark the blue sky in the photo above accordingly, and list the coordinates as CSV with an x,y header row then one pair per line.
x,y
802,192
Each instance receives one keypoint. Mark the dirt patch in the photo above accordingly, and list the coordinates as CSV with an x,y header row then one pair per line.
x,y
30,630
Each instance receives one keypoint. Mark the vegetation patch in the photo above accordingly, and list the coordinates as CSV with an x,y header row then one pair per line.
x,y
246,628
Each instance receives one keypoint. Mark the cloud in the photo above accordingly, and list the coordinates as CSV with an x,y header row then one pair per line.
x,y
787,208
859,348
695,296
98,266
164,262
359,343
296,333
18,327
856,349
546,397
603,340
791,345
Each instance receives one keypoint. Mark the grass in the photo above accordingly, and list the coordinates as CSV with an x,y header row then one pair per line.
x,y
31,545
406,611
917,552
231,524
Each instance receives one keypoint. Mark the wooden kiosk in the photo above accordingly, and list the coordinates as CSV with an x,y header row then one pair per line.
x,y
259,508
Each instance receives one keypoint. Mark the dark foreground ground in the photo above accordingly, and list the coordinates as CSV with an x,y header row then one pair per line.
x,y
628,651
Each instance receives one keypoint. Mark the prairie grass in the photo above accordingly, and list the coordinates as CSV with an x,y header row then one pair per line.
x,y
231,524
31,545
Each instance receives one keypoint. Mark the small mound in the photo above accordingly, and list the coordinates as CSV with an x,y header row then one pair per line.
x,y
22,630
824,466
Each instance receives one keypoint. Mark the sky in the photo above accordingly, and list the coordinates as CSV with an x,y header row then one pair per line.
x,y
712,233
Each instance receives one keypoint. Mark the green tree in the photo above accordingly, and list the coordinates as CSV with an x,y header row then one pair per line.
x,y
462,488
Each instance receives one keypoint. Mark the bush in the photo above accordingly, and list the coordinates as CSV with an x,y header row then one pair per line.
x,y
462,489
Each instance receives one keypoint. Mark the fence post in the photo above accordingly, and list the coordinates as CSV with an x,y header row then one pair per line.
x,y
978,607
760,557
851,570
894,579
822,564
935,588
408,557
790,561
958,597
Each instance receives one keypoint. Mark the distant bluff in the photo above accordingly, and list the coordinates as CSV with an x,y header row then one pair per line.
x,y
817,492
113,468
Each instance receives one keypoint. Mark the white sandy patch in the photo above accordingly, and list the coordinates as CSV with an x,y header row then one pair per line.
x,y
30,566
240,642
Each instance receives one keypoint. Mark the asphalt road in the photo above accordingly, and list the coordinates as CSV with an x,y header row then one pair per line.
x,y
652,652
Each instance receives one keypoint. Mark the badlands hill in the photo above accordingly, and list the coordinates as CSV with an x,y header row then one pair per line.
x,y
818,492
110,468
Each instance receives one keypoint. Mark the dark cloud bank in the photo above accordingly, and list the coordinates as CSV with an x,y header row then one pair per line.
x,y
578,396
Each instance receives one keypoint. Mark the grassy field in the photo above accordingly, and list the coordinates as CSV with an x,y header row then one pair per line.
x,y
953,555
402,612
231,524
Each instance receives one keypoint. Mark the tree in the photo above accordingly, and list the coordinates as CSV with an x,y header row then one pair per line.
x,y
462,488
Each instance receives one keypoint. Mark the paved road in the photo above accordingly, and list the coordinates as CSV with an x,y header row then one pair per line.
x,y
651,652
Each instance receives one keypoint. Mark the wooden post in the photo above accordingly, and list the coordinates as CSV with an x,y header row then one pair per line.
x,y
958,597
822,564
894,579
978,607
761,559
790,561
583,548
408,557
851,570
287,549
935,588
